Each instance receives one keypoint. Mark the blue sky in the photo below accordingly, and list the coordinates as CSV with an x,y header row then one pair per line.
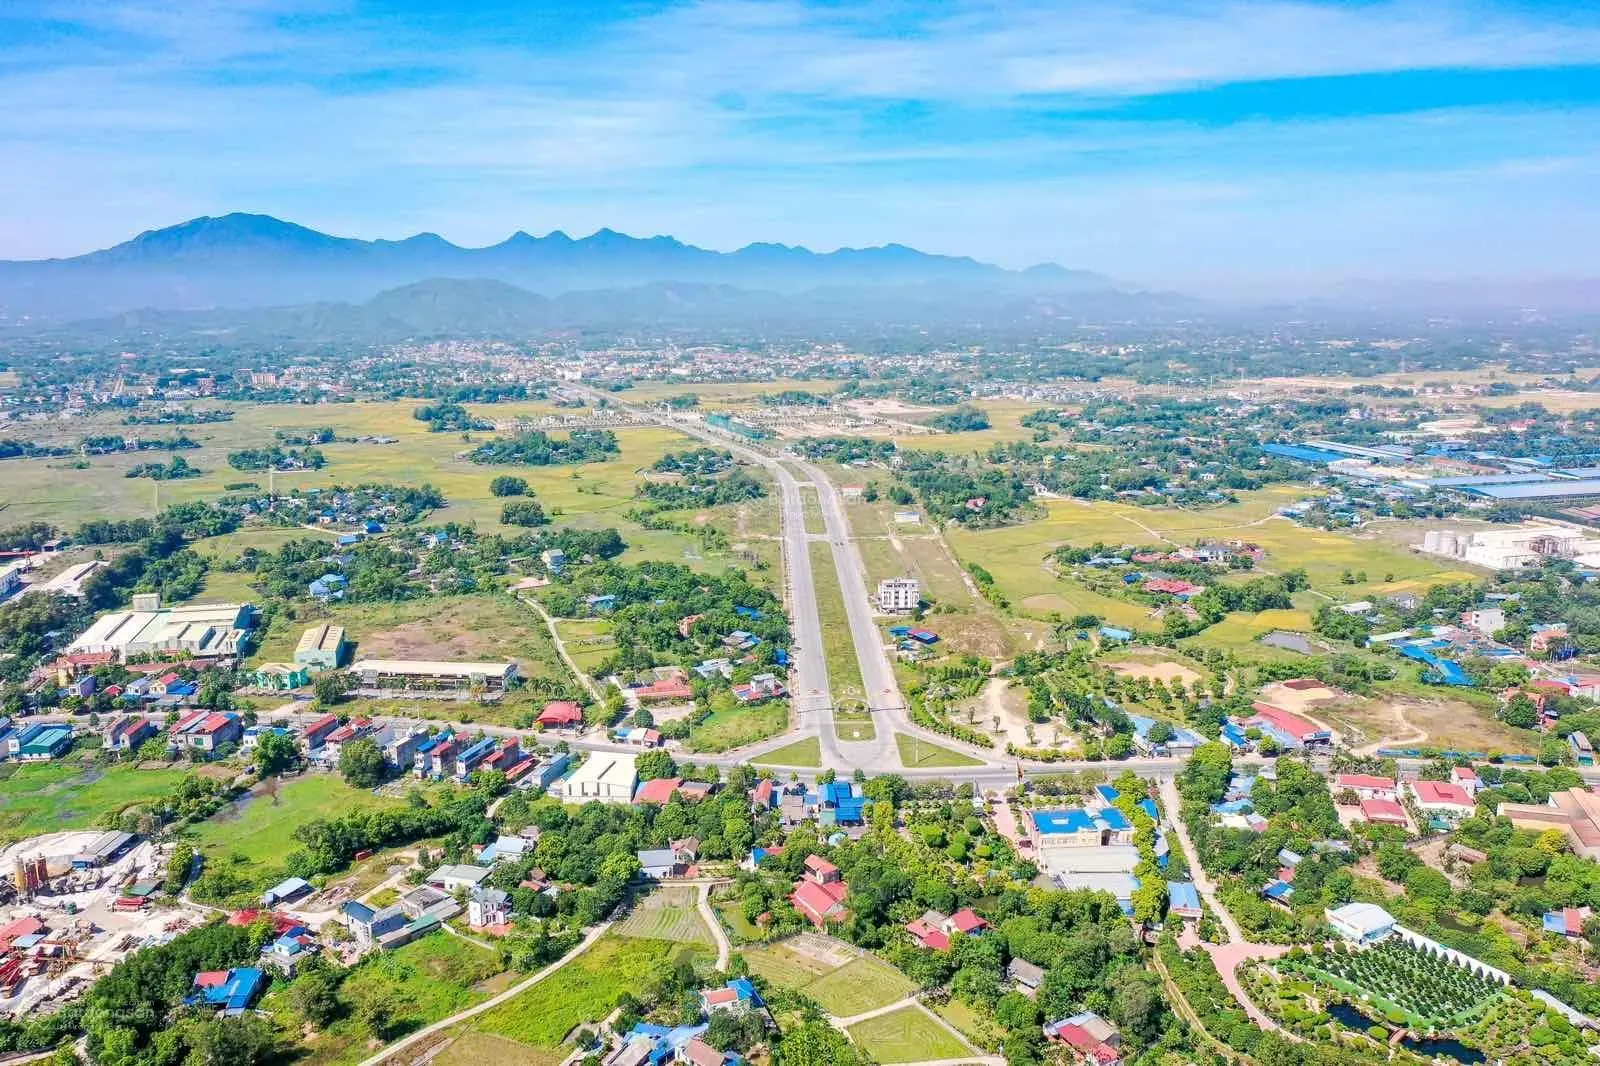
x,y
1259,147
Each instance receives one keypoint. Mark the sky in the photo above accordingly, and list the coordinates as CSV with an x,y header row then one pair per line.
x,y
1258,147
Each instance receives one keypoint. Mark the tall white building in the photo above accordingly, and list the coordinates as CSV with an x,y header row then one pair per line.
x,y
899,595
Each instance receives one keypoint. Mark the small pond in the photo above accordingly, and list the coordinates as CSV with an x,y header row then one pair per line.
x,y
1435,1047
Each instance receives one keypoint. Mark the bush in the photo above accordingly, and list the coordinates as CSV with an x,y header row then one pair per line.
x,y
509,485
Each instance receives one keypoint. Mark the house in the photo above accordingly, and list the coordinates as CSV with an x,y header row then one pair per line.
x,y
1024,976
820,902
488,907
1092,1039
1384,812
1567,922
759,689
1367,786
286,892
1442,799
657,791
458,875
126,734
765,795
208,732
686,849
1467,778
291,947
1485,620
1278,891
754,859
401,750
317,732
670,689
503,848
560,714
736,997
554,560
1286,729
657,864
327,587
640,736
1075,827
468,759
368,925
230,991
1361,923
1183,900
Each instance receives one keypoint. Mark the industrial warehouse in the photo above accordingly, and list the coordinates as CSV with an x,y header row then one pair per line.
x,y
417,675
196,631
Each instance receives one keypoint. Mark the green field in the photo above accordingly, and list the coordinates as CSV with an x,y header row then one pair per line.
x,y
731,725
844,670
861,984
583,991
66,794
907,1035
253,837
671,912
918,754
421,982
592,495
807,752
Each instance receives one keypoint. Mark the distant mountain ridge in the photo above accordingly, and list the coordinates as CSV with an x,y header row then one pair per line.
x,y
251,261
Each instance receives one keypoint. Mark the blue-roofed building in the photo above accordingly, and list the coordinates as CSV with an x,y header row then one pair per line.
x,y
1233,736
1075,827
1107,794
601,604
1148,806
1241,805
286,891
470,758
327,587
230,991
1279,892
838,804
1113,633
747,612
1183,899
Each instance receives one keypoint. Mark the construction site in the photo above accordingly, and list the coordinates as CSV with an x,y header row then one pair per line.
x,y
72,905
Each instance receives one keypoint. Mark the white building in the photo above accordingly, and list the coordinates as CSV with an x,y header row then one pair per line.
x,y
459,875
604,776
11,577
1508,549
1361,923
899,595
198,631
1485,620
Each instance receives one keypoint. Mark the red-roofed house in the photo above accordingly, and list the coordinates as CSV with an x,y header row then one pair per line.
x,y
821,870
1467,778
764,795
699,1053
820,903
560,714
211,731
658,791
664,688
1293,725
927,933
1443,798
967,921
1092,1039
1384,812
1368,786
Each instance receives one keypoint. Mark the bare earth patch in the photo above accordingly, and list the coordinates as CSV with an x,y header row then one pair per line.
x,y
1164,671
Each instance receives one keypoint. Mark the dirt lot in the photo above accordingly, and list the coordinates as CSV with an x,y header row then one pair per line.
x,y
1163,670
1403,721
1005,701
1301,701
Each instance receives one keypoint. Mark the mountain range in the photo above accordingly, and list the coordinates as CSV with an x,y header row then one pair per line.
x,y
254,261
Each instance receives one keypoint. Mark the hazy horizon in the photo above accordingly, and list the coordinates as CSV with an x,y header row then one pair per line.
x,y
1267,147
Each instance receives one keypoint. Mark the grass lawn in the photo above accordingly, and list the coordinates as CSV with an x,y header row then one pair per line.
x,y
844,670
487,1049
807,752
731,725
423,981
583,991
849,727
906,1035
67,794
671,912
917,753
731,911
256,834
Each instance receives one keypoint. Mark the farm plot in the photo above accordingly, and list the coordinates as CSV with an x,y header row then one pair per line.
x,y
909,1034
844,981
1411,985
668,913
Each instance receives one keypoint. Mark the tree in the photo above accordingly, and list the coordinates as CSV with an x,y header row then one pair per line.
x,y
361,763
1138,1004
509,485
1521,712
1161,732
655,764
330,687
315,995
275,752
523,513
